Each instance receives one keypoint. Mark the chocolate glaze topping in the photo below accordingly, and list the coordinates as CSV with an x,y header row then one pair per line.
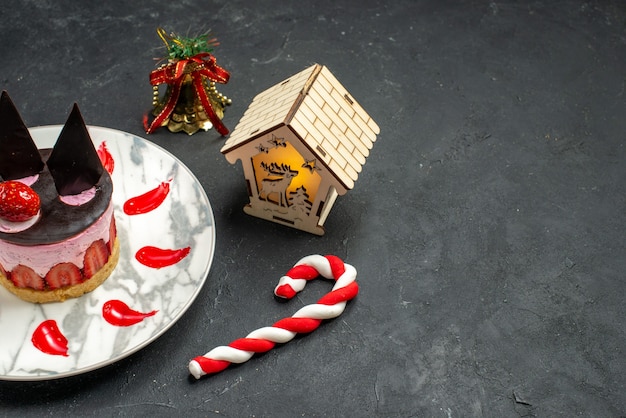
x,y
60,221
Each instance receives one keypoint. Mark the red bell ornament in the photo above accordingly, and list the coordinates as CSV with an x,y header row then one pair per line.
x,y
191,101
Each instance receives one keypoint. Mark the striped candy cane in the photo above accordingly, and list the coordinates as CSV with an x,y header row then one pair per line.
x,y
305,320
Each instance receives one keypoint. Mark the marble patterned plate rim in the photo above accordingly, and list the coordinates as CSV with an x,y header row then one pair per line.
x,y
45,136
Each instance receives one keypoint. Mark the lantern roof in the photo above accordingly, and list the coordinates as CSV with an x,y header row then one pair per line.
x,y
323,115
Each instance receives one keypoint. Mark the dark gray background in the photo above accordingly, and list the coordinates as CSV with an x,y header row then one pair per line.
x,y
487,227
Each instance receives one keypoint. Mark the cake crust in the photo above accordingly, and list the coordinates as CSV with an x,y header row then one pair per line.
x,y
68,292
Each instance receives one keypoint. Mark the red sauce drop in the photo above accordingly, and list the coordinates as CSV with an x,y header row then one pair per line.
x,y
106,158
148,201
116,312
158,257
49,339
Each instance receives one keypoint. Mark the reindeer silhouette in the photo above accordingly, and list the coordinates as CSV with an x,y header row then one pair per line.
x,y
278,184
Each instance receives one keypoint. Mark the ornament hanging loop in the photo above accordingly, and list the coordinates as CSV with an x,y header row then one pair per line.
x,y
164,36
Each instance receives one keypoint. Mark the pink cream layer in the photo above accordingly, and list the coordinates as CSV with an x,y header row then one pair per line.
x,y
42,258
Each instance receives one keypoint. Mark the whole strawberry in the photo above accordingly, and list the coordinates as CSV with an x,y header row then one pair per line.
x,y
18,202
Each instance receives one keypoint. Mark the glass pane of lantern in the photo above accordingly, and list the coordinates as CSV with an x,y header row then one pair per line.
x,y
284,177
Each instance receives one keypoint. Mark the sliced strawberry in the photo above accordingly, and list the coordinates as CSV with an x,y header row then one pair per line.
x,y
18,202
63,274
96,256
112,235
25,277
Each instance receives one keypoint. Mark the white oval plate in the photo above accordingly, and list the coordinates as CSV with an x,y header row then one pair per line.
x,y
184,219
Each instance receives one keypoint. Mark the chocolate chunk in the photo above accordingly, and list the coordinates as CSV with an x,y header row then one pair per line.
x,y
74,162
19,156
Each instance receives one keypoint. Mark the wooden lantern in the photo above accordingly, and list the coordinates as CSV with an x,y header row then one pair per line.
x,y
302,143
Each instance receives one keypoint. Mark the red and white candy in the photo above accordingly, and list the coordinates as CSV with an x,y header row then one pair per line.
x,y
305,320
